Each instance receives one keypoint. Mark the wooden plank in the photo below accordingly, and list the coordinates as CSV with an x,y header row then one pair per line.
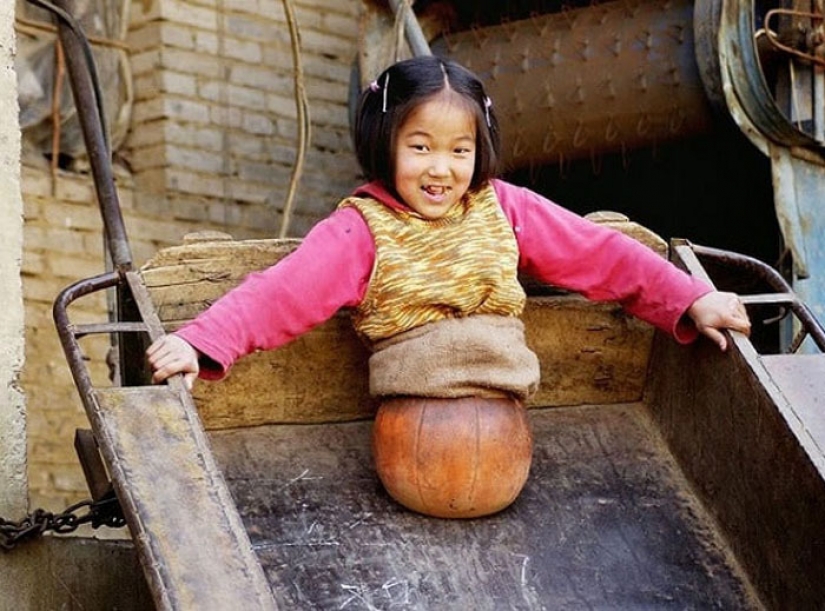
x,y
192,544
590,353
606,521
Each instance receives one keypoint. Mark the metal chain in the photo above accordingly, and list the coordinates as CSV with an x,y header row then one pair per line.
x,y
105,512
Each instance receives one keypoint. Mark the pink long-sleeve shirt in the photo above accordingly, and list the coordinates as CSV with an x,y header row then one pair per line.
x,y
332,267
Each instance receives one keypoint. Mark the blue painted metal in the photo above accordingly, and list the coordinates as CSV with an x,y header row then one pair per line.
x,y
797,158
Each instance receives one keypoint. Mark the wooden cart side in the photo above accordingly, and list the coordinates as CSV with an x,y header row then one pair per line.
x,y
768,492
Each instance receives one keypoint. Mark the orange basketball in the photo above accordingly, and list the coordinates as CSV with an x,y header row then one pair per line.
x,y
452,458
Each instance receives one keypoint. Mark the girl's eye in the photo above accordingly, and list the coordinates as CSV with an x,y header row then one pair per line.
x,y
419,147
463,151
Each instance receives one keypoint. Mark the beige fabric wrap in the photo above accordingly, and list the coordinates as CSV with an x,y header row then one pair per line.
x,y
482,355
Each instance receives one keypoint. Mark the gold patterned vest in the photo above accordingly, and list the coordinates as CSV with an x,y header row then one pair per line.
x,y
428,270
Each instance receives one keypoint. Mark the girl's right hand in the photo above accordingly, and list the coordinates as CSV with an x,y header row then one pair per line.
x,y
171,355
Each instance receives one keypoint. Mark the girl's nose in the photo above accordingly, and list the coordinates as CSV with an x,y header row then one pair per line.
x,y
440,166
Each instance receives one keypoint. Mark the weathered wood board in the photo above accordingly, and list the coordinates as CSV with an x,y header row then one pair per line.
x,y
606,521
591,353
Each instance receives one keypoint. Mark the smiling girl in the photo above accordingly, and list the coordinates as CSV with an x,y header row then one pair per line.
x,y
427,254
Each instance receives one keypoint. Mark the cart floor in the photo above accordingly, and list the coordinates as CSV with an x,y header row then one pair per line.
x,y
606,521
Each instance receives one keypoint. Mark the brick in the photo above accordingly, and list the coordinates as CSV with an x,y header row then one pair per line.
x,y
243,50
194,183
77,268
147,86
325,43
75,216
223,214
177,83
195,159
54,239
143,38
187,110
243,6
225,117
283,106
207,42
145,111
177,35
191,62
244,97
145,62
256,172
321,68
35,182
68,477
260,77
76,190
282,153
243,27
152,182
256,123
189,14
32,263
191,209
200,136
255,192
333,92
144,158
147,134
333,115
247,146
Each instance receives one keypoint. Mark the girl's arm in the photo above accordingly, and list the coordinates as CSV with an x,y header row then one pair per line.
x,y
329,270
563,249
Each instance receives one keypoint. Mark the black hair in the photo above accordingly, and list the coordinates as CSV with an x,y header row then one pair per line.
x,y
385,105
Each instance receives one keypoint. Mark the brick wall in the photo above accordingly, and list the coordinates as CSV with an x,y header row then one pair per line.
x,y
215,120
212,145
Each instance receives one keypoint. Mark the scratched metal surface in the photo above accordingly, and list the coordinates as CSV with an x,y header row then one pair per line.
x,y
605,522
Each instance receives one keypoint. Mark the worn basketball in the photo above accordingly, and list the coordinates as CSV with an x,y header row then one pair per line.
x,y
452,458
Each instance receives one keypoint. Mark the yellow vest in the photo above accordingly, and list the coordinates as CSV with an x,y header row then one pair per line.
x,y
429,270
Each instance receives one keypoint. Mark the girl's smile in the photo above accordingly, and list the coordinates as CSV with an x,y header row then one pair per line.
x,y
435,154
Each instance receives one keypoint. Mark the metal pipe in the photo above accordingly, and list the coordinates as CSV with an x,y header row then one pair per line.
x,y
93,128
810,325
412,29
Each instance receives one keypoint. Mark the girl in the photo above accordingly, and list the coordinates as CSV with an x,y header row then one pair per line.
x,y
428,252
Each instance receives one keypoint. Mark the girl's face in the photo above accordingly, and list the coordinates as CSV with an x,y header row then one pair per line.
x,y
435,155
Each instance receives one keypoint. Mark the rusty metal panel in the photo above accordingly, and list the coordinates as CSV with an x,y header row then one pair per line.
x,y
606,78
193,547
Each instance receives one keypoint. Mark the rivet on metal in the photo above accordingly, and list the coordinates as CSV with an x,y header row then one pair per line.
x,y
585,49
643,125
643,82
579,136
677,32
611,132
677,120
610,88
518,104
549,98
550,142
517,146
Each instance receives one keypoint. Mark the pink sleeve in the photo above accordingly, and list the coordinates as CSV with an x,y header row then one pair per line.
x,y
565,250
329,270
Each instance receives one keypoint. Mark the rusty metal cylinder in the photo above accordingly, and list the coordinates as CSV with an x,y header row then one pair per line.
x,y
603,79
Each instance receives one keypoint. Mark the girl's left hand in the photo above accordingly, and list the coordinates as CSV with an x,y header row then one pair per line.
x,y
719,310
